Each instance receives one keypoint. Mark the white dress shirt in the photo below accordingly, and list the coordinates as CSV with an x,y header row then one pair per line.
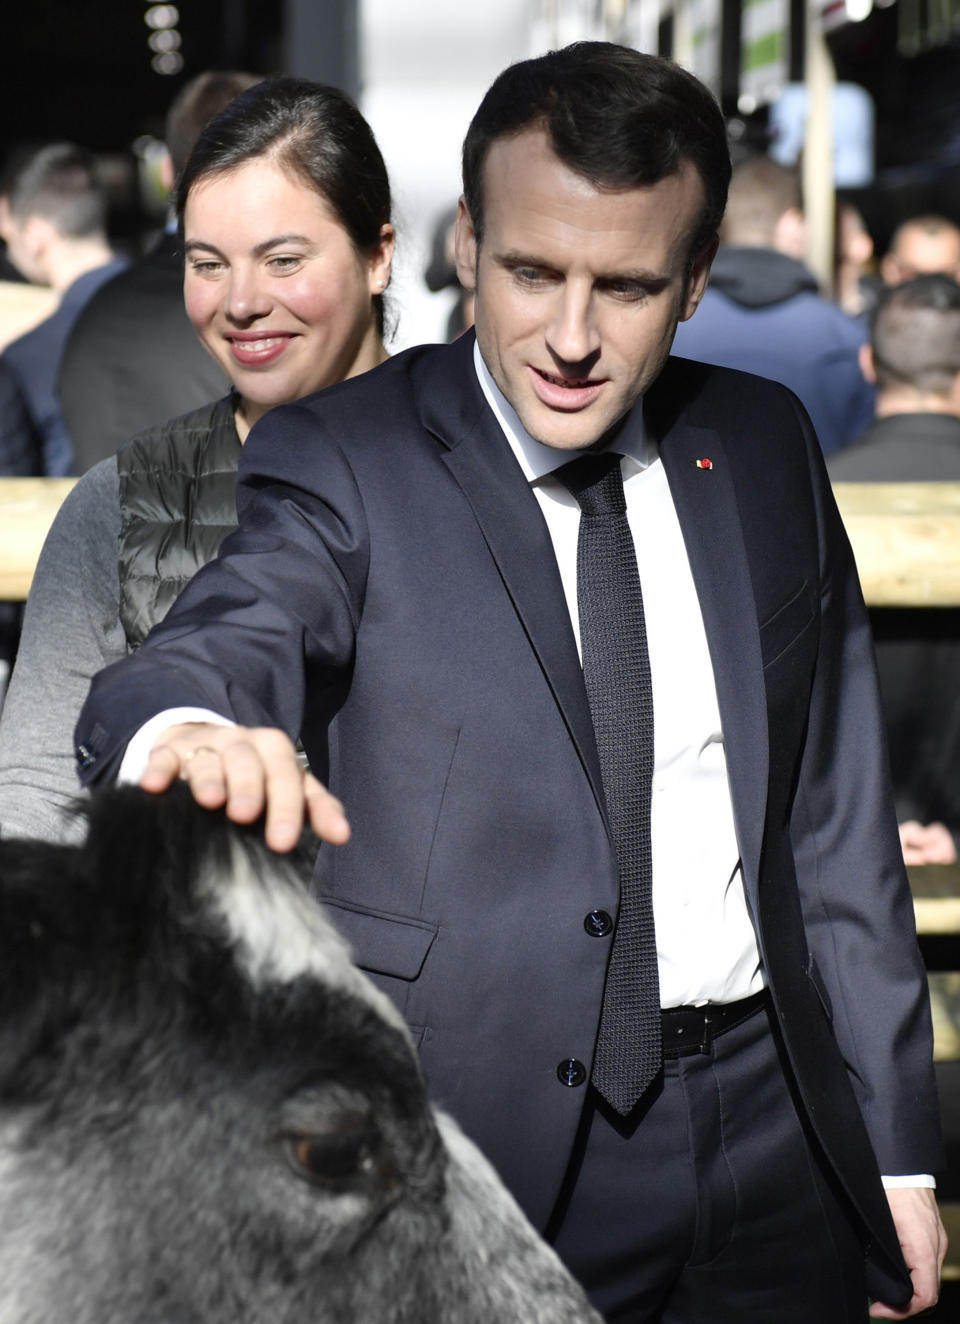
x,y
706,946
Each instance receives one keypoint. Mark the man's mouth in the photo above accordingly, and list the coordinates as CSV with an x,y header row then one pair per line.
x,y
569,382
558,391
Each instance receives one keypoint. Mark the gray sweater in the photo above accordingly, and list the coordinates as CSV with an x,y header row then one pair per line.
x,y
75,598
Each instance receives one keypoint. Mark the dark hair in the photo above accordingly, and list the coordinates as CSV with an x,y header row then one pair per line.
x,y
915,334
196,104
317,135
619,118
59,183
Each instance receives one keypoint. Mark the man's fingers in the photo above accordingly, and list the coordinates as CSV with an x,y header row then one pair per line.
x,y
326,813
162,770
250,771
924,1245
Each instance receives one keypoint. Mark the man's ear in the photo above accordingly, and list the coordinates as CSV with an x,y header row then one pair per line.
x,y
790,234
867,365
697,280
465,248
37,237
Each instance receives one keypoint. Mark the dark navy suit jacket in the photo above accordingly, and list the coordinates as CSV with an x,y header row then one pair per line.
x,y
392,592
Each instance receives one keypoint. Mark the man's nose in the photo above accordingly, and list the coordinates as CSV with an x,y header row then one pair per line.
x,y
572,334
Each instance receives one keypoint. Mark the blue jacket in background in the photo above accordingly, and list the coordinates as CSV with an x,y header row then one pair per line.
x,y
762,313
34,359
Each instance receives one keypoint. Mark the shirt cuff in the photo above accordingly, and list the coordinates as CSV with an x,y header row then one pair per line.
x,y
921,1179
134,763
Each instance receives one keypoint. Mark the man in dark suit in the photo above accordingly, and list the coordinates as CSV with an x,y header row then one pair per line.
x,y
133,359
409,588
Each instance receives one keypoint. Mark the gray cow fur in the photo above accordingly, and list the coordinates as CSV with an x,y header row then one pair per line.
x,y
209,1116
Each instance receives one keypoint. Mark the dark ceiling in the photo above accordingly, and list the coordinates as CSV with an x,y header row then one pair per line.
x,y
82,71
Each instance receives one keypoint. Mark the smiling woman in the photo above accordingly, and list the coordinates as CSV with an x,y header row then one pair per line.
x,y
284,211
276,288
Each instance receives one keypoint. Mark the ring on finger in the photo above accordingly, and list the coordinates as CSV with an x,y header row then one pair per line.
x,y
192,754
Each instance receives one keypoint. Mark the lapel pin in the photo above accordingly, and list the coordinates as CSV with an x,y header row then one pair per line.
x,y
704,464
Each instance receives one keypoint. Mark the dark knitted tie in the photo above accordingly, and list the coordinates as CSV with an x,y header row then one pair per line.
x,y
616,671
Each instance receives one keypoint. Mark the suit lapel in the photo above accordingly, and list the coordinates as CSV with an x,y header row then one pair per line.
x,y
706,506
480,459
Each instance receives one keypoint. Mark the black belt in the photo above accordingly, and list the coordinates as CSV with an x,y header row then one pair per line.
x,y
688,1030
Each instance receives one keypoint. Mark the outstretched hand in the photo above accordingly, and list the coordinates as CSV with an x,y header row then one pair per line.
x,y
247,771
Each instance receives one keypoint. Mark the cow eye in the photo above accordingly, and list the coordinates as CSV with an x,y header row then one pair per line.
x,y
335,1157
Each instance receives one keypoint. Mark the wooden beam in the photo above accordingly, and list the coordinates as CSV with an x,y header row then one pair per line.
x,y
936,897
27,509
819,199
905,536
906,540
22,307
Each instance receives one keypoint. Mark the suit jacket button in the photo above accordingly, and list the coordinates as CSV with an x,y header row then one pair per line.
x,y
571,1072
598,923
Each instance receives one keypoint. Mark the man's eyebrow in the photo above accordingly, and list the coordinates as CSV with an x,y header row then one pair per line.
x,y
632,275
514,258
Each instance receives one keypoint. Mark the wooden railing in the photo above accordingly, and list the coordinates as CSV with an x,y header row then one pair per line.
x,y
906,537
27,509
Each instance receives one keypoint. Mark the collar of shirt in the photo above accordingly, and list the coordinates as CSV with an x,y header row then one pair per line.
x,y
539,461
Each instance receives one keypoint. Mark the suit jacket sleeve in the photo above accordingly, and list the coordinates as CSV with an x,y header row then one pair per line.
x,y
854,893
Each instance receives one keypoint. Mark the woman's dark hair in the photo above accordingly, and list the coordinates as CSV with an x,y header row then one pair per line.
x,y
313,132
619,118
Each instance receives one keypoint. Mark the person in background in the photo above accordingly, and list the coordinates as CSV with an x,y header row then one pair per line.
x,y
922,245
441,274
762,311
855,280
284,209
53,219
132,359
913,359
572,629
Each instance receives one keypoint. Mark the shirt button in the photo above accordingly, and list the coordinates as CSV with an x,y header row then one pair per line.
x,y
571,1072
598,923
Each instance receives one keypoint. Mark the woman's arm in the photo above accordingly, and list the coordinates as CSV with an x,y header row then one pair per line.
x,y
71,629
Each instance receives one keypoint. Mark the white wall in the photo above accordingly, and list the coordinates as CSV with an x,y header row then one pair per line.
x,y
424,68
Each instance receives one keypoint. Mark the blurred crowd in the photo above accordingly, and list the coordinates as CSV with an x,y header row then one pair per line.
x,y
98,347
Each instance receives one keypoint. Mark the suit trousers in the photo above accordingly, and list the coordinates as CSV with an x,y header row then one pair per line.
x,y
710,1203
